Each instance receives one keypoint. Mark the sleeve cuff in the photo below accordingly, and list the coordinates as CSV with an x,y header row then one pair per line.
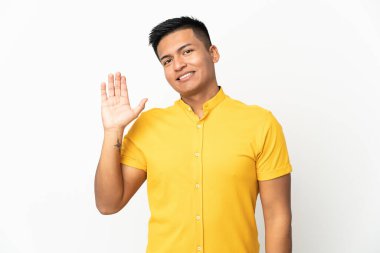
x,y
132,163
275,173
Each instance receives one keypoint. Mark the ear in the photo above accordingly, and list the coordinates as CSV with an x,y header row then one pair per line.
x,y
214,53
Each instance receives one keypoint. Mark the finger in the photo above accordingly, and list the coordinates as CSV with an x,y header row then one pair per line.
x,y
124,91
117,84
111,88
140,106
103,92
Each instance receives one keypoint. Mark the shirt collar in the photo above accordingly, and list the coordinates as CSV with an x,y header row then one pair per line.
x,y
208,105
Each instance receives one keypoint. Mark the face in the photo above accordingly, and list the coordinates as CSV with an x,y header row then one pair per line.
x,y
188,64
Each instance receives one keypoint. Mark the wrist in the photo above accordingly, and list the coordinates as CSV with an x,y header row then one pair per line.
x,y
112,131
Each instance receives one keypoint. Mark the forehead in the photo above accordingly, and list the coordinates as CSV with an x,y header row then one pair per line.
x,y
171,42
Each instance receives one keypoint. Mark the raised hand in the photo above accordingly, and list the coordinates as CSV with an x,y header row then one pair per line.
x,y
116,110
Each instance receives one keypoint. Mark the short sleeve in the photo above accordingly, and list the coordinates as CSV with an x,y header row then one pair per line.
x,y
273,159
130,153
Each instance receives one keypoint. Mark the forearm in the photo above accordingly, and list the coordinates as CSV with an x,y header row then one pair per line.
x,y
278,235
109,177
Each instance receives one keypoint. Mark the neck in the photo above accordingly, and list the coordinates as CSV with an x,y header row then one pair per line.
x,y
196,101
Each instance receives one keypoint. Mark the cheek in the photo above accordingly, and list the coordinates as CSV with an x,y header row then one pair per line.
x,y
201,62
203,67
170,76
208,66
167,74
197,61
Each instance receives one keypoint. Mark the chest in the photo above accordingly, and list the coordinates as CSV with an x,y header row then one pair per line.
x,y
212,150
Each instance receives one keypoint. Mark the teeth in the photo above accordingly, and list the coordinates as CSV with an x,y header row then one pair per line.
x,y
184,76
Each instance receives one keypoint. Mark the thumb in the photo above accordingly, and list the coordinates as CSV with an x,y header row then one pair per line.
x,y
140,106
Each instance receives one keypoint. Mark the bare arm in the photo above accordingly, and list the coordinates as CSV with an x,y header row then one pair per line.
x,y
115,184
276,203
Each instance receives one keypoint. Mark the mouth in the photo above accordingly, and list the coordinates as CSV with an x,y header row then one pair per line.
x,y
186,76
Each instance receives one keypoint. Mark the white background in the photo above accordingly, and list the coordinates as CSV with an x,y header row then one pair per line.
x,y
314,64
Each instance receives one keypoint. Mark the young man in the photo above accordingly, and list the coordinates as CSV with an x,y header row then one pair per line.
x,y
205,158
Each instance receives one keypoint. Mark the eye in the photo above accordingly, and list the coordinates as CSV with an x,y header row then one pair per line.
x,y
166,62
188,51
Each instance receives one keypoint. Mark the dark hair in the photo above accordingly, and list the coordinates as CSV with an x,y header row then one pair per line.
x,y
174,24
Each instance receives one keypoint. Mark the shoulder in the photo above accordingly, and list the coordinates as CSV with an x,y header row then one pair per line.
x,y
250,112
156,113
153,116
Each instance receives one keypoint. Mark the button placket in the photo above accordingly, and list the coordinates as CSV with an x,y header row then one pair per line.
x,y
198,212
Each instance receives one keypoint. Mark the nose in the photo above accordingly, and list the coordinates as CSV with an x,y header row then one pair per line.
x,y
179,64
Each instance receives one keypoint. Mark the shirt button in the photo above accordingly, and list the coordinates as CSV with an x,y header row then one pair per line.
x,y
199,248
198,217
189,108
196,154
197,186
199,126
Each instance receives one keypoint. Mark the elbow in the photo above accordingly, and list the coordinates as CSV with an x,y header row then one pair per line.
x,y
107,210
282,218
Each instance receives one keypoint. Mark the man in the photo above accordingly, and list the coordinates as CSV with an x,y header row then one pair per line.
x,y
205,158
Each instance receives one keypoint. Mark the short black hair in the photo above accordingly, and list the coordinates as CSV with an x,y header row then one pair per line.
x,y
174,24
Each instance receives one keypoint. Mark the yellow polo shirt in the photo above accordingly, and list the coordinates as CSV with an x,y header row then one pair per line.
x,y
202,173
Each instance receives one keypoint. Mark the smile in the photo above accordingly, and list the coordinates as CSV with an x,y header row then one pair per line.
x,y
186,76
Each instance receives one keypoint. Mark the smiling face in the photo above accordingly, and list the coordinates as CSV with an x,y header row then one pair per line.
x,y
188,65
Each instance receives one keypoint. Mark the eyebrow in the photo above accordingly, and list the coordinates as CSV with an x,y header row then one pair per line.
x,y
179,49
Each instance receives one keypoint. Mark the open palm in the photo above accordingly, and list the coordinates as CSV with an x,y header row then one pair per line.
x,y
116,110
